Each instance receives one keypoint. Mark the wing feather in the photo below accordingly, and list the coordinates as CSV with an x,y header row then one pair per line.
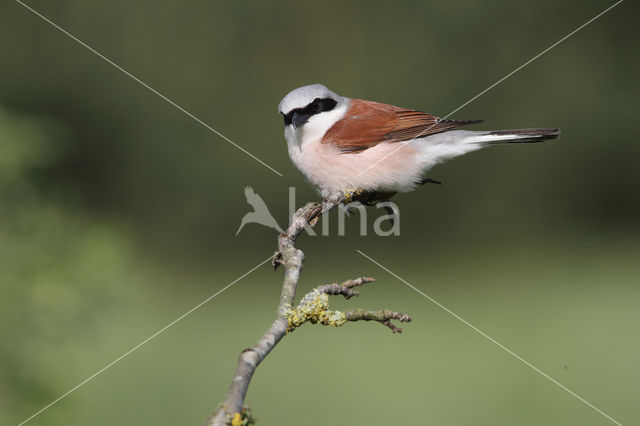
x,y
368,123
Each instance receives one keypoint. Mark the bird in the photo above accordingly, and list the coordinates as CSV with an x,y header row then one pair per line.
x,y
261,213
354,145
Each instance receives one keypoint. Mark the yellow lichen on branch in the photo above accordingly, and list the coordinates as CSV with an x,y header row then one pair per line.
x,y
243,418
314,307
236,420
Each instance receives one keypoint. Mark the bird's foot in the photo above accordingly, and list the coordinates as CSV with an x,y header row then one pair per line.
x,y
351,193
429,180
277,260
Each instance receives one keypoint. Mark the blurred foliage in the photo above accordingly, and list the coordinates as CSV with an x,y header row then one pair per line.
x,y
59,266
118,212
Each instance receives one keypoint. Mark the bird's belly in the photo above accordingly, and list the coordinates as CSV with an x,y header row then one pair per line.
x,y
388,167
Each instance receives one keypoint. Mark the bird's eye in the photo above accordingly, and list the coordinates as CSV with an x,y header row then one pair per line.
x,y
328,104
287,119
320,105
316,105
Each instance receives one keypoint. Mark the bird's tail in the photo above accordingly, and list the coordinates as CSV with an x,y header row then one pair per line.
x,y
447,145
511,136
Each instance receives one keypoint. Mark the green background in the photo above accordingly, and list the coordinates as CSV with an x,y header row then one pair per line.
x,y
118,213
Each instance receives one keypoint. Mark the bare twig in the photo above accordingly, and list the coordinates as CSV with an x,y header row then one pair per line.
x,y
346,288
231,410
384,317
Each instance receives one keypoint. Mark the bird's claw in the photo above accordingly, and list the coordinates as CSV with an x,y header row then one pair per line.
x,y
276,260
429,180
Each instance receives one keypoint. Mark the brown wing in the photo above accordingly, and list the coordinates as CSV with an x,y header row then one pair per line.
x,y
367,124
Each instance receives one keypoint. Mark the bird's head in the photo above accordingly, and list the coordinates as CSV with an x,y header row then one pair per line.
x,y
312,108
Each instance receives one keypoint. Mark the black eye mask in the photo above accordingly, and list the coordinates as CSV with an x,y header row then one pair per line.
x,y
317,106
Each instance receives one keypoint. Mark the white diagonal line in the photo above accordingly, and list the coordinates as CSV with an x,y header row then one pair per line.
x,y
405,143
136,347
494,341
151,89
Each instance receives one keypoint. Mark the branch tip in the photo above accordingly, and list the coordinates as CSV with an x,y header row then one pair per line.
x,y
345,288
384,317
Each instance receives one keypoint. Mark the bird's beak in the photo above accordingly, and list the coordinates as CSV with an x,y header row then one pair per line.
x,y
298,119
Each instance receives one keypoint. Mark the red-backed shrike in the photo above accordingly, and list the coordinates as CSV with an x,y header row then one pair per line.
x,y
344,144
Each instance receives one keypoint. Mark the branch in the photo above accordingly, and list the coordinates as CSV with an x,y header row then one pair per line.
x,y
384,317
231,410
314,307
346,288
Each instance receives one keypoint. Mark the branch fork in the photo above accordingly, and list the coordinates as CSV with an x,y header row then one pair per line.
x,y
314,308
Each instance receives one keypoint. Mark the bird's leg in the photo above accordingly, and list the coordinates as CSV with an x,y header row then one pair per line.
x,y
376,197
429,180
276,260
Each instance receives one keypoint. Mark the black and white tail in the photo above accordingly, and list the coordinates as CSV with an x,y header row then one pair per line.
x,y
511,136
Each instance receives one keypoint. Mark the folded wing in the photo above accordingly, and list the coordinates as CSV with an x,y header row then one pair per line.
x,y
367,124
